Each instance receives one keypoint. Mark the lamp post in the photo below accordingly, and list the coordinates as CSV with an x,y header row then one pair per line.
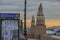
x,y
25,31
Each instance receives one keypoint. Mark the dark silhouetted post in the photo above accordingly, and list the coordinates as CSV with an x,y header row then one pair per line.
x,y
25,30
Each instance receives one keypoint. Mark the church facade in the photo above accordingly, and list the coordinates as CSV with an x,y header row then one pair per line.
x,y
40,27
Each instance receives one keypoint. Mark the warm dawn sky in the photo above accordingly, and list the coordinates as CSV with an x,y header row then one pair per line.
x,y
51,9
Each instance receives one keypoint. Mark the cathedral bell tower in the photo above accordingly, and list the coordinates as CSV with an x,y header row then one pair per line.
x,y
41,20
40,28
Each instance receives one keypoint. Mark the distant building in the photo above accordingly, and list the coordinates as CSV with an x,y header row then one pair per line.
x,y
53,31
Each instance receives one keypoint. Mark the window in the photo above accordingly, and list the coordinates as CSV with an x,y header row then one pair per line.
x,y
32,35
6,38
39,36
39,24
2,38
6,33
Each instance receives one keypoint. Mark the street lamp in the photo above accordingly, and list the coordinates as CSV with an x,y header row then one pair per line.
x,y
25,30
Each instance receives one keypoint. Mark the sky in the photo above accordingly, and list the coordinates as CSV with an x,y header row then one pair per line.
x,y
51,9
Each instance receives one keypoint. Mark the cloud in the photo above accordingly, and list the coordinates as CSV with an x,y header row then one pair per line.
x,y
16,2
50,23
47,0
51,8
9,7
